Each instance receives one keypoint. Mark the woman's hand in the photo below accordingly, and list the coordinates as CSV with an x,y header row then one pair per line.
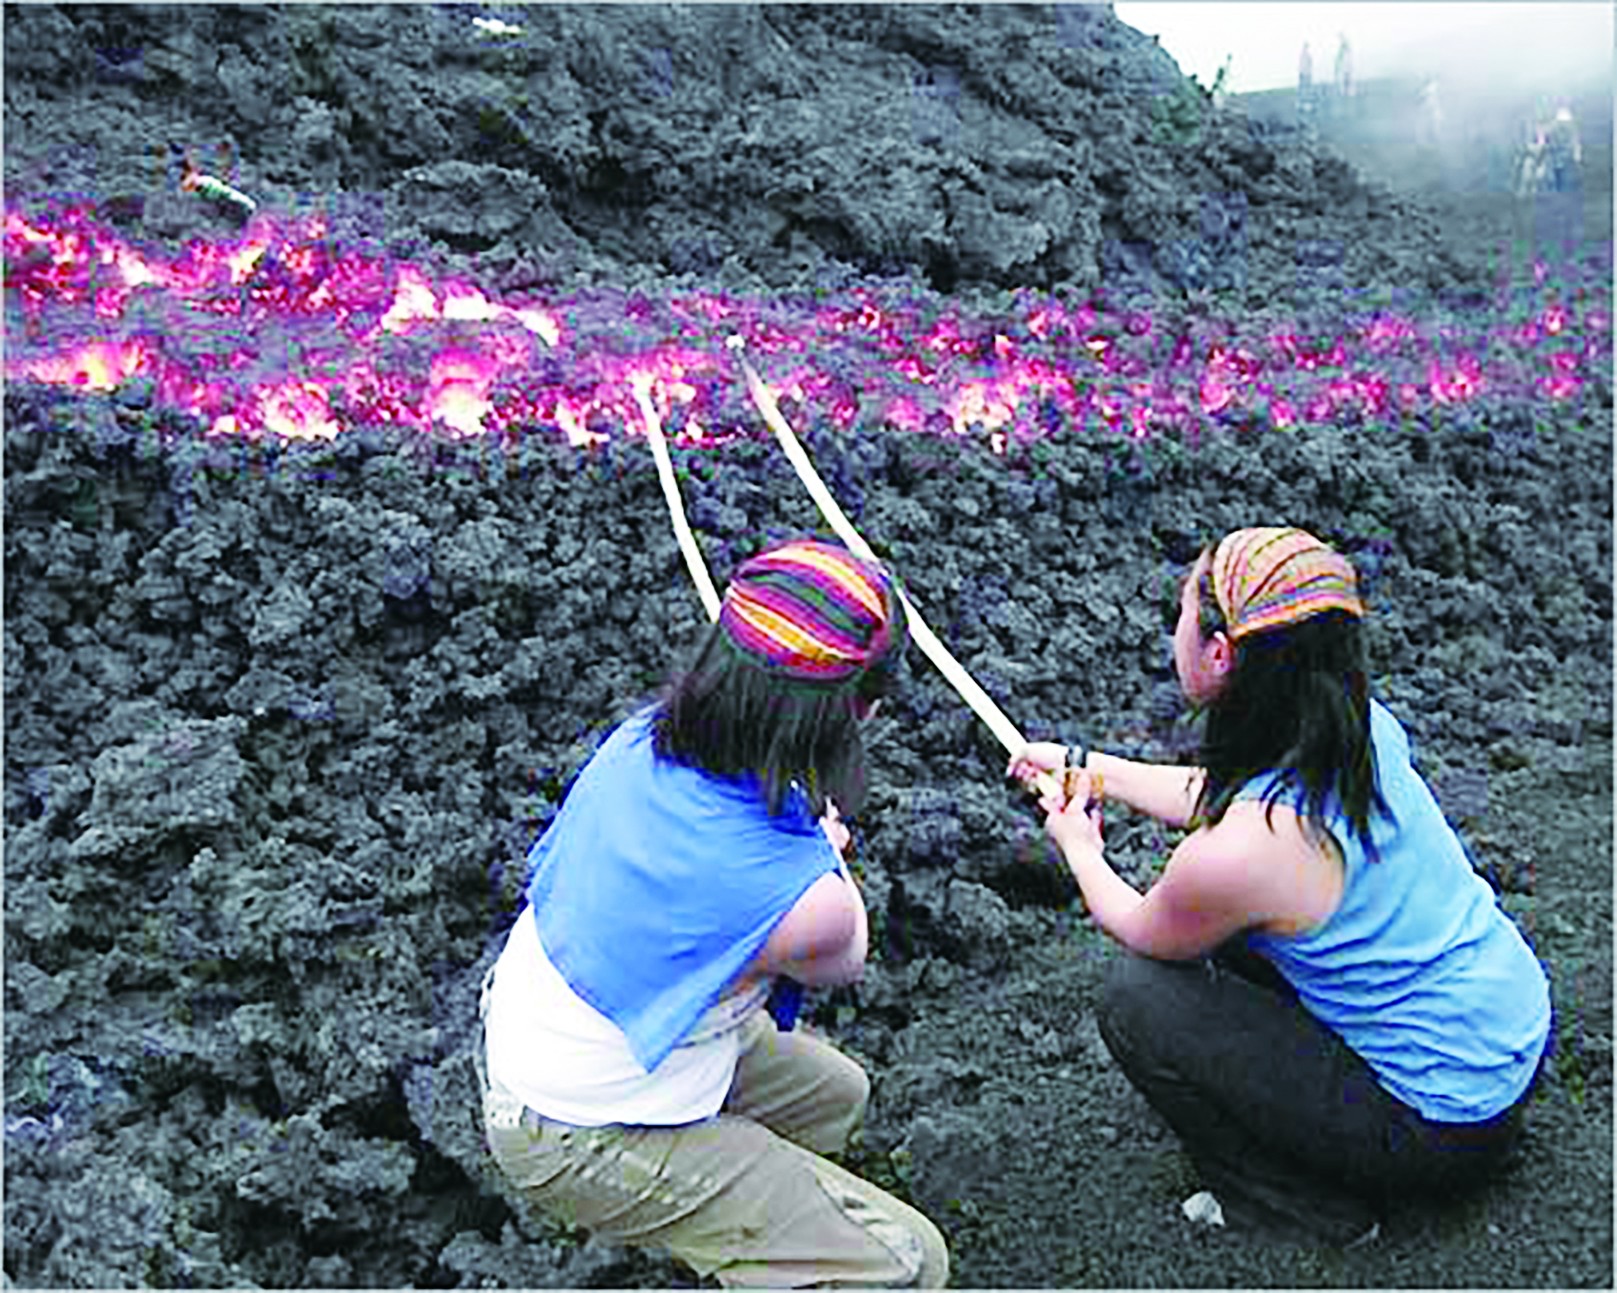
x,y
1072,820
1037,757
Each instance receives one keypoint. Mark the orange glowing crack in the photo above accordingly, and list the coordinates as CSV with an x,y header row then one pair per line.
x,y
460,383
98,365
572,425
245,259
297,410
470,304
413,300
940,359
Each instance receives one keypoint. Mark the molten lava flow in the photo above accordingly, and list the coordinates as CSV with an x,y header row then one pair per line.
x,y
297,410
370,341
1462,382
95,365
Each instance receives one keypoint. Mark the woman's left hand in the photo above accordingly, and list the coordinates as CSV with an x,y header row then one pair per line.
x,y
1071,820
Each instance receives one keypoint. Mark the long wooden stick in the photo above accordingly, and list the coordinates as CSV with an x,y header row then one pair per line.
x,y
980,702
676,509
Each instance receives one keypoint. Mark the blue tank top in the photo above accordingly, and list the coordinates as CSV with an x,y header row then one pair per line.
x,y
657,882
1418,970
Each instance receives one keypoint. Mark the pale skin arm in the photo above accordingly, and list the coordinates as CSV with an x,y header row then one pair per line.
x,y
1193,907
1219,881
819,969
824,939
1165,791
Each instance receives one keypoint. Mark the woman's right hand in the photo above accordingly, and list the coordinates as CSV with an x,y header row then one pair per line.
x,y
1035,758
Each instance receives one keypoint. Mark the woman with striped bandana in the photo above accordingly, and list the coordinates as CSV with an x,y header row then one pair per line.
x,y
636,1084
1319,994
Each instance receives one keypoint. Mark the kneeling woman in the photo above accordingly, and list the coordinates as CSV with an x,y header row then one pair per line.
x,y
636,1085
1327,1005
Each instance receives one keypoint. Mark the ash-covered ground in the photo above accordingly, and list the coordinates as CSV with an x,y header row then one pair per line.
x,y
281,724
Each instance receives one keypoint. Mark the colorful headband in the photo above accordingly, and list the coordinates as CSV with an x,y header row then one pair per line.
x,y
1267,577
809,610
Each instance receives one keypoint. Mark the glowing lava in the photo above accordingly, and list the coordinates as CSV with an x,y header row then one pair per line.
x,y
279,333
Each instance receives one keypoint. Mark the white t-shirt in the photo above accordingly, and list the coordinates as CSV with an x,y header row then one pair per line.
x,y
566,1060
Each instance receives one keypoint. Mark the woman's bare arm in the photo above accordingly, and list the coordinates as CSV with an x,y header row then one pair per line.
x,y
823,939
1165,791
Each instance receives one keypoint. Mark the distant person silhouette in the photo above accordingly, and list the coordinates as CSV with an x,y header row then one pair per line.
x,y
1552,161
1565,152
1221,83
1344,76
1429,121
1305,84
1550,185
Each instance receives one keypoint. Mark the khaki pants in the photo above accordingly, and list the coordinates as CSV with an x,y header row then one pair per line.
x,y
745,1196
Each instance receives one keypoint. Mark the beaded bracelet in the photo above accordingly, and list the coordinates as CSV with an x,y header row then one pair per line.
x,y
1078,758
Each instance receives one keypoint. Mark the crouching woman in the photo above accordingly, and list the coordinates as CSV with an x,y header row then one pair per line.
x,y
1320,995
636,1084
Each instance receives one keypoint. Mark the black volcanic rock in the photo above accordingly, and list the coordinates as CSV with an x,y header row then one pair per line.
x,y
281,724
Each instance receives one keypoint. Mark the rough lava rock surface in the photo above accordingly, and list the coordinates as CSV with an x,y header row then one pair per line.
x,y
280,726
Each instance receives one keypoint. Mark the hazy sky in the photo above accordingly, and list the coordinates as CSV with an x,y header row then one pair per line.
x,y
1462,39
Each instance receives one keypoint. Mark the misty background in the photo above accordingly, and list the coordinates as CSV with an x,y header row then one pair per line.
x,y
1473,48
1445,96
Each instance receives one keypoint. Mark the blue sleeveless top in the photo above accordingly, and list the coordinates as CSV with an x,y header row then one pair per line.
x,y
657,882
1418,970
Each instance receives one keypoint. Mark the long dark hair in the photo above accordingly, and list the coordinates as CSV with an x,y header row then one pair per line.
x,y
1296,701
724,713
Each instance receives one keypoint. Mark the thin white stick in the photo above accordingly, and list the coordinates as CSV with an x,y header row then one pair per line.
x,y
981,703
676,509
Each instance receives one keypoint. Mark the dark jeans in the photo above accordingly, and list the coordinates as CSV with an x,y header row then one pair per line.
x,y
1286,1125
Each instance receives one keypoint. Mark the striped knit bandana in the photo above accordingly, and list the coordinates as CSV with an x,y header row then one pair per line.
x,y
809,610
1264,578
